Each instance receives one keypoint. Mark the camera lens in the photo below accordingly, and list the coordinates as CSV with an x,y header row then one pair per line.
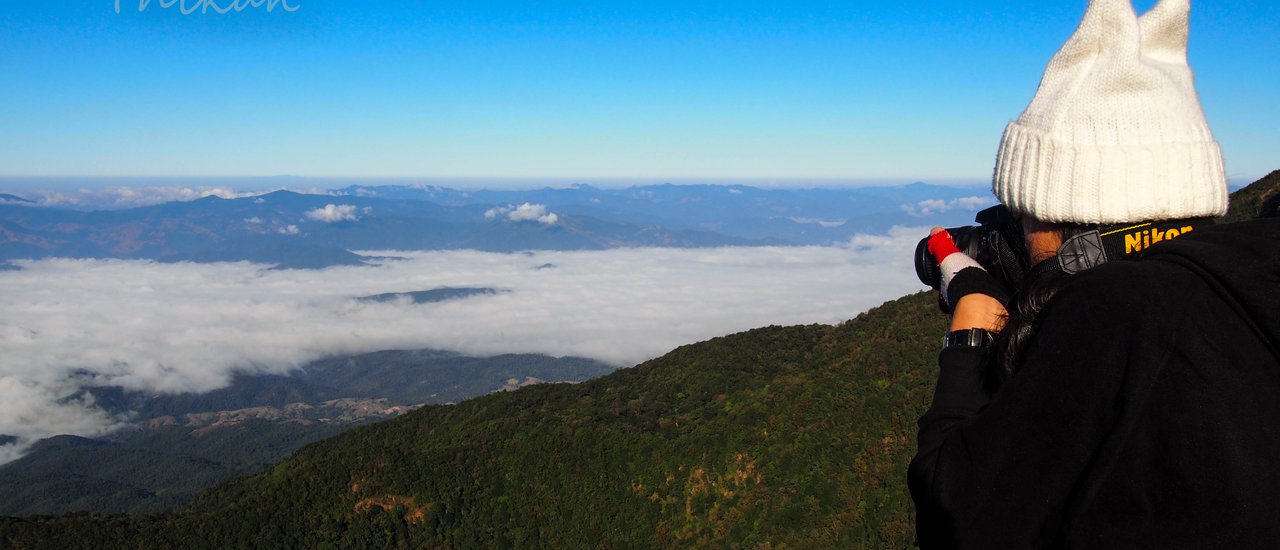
x,y
967,238
926,267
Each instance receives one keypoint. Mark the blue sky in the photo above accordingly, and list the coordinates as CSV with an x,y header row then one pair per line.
x,y
795,90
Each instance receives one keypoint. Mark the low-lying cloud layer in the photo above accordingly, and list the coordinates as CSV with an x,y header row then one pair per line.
x,y
938,206
190,327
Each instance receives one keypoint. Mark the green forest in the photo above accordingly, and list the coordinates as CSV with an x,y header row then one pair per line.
x,y
183,444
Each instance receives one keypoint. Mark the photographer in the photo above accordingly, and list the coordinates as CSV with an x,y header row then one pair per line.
x,y
1112,378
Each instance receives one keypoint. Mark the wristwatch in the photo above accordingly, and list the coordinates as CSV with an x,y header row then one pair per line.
x,y
968,338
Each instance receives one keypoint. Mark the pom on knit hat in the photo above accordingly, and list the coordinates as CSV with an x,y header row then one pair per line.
x,y
1115,132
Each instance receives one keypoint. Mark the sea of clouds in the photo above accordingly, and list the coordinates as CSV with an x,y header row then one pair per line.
x,y
190,327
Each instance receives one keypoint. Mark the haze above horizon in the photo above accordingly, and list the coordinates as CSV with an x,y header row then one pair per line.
x,y
572,92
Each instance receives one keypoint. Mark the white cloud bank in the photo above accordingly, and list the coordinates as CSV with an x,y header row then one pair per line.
x,y
524,213
334,213
828,224
938,206
189,327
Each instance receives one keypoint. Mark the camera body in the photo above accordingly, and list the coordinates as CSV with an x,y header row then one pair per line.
x,y
997,243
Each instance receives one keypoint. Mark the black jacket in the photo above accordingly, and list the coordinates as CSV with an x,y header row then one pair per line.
x,y
1146,412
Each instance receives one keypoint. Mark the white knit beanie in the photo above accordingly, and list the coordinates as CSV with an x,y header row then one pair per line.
x,y
1115,132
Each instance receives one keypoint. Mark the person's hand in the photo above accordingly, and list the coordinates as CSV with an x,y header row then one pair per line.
x,y
974,296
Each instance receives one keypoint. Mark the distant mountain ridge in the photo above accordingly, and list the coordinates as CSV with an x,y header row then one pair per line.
x,y
403,377
303,231
5,197
792,216
429,296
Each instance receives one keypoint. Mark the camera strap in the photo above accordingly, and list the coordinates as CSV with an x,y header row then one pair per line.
x,y
1103,244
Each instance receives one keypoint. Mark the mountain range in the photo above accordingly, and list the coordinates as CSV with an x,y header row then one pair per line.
x,y
293,230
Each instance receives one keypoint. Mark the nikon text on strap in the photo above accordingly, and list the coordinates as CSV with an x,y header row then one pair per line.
x,y
1096,247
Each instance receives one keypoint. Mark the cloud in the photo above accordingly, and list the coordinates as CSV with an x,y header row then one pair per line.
x,y
533,212
290,230
525,212
191,327
898,236
937,206
333,213
828,224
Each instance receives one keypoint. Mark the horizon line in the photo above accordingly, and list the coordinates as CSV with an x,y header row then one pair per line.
x,y
522,181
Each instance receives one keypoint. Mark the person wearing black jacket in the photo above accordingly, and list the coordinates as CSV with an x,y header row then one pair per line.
x,y
1136,403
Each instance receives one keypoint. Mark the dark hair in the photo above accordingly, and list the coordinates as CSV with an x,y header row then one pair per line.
x,y
1039,286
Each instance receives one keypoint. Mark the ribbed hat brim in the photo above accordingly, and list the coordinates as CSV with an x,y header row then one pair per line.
x,y
1062,182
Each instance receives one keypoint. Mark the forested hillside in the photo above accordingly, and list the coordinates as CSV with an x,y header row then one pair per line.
x,y
1261,199
183,444
795,437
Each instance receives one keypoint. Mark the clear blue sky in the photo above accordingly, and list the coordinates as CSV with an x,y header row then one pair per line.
x,y
648,89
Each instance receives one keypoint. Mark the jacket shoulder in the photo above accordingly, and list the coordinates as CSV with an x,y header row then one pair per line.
x,y
1127,284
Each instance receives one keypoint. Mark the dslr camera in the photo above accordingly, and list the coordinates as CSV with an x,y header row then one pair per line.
x,y
997,243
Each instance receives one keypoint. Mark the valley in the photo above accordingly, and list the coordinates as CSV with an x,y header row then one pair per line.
x,y
176,446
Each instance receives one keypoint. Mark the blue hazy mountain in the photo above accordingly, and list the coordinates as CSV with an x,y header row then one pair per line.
x,y
293,230
7,198
429,296
787,216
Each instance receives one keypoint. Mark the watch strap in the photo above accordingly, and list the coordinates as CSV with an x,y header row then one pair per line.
x,y
968,338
